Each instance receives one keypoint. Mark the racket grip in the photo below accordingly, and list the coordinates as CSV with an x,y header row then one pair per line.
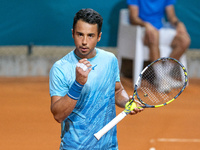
x,y
110,125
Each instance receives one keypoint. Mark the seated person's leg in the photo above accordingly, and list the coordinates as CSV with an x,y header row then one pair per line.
x,y
151,39
179,45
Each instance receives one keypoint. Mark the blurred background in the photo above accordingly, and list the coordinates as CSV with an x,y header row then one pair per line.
x,y
31,29
49,22
36,33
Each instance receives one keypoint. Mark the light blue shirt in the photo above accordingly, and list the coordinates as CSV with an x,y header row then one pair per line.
x,y
96,106
152,11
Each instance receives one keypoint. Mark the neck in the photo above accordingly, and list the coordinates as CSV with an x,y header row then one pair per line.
x,y
89,55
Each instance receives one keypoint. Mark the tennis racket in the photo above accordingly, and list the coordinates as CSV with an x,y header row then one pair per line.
x,y
160,83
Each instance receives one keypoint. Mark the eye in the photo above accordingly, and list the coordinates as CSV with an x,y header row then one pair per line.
x,y
91,35
80,34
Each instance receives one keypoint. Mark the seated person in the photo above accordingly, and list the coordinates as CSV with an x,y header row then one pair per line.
x,y
149,14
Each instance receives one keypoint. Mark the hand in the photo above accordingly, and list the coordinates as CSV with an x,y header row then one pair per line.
x,y
136,110
180,28
182,37
81,75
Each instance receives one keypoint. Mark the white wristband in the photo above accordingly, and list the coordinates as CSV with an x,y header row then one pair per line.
x,y
81,65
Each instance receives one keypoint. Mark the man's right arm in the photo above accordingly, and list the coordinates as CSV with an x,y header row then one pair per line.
x,y
136,20
134,16
61,107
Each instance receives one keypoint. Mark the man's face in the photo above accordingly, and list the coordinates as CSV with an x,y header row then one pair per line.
x,y
85,38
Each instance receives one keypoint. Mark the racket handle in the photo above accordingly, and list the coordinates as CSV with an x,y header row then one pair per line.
x,y
110,125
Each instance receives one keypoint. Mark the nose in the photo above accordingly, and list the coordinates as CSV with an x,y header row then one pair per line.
x,y
84,41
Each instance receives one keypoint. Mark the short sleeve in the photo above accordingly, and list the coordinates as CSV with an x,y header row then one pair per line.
x,y
170,2
132,2
57,84
117,70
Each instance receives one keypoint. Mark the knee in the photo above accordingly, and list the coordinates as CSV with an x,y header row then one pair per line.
x,y
187,42
151,39
182,41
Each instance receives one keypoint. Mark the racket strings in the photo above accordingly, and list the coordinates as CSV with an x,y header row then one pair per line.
x,y
161,82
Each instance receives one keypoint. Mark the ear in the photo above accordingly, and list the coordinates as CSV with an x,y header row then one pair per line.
x,y
99,36
72,33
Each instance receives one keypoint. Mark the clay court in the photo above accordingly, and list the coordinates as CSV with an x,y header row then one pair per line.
x,y
27,123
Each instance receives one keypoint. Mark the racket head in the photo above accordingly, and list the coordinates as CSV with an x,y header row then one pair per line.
x,y
160,83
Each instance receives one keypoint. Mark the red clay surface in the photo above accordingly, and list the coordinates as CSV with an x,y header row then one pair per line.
x,y
27,123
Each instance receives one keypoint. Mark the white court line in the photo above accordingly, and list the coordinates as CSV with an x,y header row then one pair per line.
x,y
175,140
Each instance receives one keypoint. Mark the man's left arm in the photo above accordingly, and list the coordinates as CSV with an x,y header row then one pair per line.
x,y
121,98
173,19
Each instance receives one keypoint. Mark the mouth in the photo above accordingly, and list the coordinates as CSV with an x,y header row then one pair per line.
x,y
84,49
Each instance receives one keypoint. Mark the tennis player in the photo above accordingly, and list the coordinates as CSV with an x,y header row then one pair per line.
x,y
85,86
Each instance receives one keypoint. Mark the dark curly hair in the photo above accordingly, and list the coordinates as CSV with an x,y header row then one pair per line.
x,y
90,16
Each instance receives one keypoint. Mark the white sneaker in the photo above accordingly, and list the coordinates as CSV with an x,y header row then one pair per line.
x,y
174,83
163,86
